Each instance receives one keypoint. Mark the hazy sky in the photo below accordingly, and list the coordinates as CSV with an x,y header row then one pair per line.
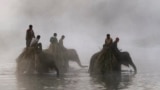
x,y
85,24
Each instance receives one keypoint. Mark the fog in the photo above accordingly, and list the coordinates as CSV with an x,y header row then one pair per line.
x,y
85,24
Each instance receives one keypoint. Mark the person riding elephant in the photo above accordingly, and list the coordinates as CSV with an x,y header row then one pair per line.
x,y
116,52
34,45
61,45
53,39
107,56
34,59
63,52
122,57
115,45
35,41
103,60
108,41
54,45
29,35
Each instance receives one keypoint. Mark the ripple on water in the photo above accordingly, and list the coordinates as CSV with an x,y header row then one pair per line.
x,y
75,79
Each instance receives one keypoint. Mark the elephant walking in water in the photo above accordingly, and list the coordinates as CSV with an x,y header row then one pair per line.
x,y
32,59
65,55
124,59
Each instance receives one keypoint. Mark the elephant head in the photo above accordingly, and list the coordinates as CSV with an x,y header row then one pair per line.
x,y
125,59
73,56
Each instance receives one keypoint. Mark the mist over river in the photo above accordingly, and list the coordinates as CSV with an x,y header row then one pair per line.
x,y
85,24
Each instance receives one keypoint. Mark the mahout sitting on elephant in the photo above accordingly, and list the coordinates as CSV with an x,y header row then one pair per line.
x,y
125,59
64,55
110,59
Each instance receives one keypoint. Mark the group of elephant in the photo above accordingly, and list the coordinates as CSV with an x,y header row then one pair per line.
x,y
43,61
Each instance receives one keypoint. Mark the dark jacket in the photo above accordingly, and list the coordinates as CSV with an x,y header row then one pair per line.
x,y
30,34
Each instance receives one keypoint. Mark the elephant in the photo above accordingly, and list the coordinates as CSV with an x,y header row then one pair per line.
x,y
32,59
65,55
124,59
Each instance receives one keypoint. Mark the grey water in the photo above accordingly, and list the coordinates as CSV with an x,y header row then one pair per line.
x,y
76,79
85,24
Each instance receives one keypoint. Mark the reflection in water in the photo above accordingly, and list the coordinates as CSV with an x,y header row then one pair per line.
x,y
74,80
114,81
77,79
36,82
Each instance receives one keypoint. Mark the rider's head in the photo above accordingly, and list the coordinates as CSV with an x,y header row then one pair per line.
x,y
63,36
30,26
108,35
55,34
117,39
38,36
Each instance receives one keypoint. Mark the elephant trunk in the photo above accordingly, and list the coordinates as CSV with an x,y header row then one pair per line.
x,y
132,64
134,67
127,60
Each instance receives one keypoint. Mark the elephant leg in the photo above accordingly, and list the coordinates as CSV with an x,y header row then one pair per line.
x,y
56,68
118,67
42,68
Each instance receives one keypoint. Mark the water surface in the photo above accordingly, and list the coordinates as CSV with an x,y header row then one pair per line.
x,y
76,79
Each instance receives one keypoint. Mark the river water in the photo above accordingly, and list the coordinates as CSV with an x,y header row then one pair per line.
x,y
76,79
